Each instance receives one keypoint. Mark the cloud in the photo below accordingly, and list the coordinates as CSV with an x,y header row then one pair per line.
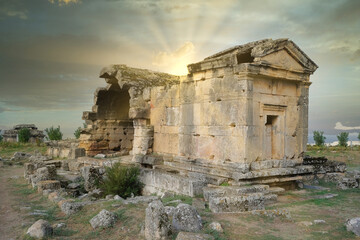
x,y
339,126
62,2
168,58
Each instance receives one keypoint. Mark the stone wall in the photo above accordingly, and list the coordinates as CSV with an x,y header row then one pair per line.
x,y
64,149
102,136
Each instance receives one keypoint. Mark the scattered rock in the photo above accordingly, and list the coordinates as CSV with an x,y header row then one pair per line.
x,y
140,199
118,198
216,226
157,223
193,236
186,218
109,197
353,225
59,225
104,219
100,155
319,221
40,229
69,208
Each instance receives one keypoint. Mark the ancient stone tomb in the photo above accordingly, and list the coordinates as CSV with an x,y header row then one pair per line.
x,y
239,115
247,103
12,134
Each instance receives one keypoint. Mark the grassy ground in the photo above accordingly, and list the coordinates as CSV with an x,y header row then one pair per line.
x,y
350,156
8,149
304,206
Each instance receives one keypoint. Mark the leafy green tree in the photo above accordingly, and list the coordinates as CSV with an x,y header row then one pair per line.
x,y
343,138
78,131
1,137
24,135
319,138
54,133
121,180
359,136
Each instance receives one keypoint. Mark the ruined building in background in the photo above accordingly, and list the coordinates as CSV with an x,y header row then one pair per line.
x,y
239,115
12,134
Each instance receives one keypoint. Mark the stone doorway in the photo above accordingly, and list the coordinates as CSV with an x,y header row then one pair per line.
x,y
274,132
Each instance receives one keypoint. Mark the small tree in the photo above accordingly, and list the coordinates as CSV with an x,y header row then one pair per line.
x,y
359,136
78,131
343,138
24,135
319,138
1,137
54,133
121,180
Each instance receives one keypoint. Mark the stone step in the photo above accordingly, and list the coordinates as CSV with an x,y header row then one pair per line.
x,y
159,181
273,172
194,175
243,203
222,191
276,190
200,169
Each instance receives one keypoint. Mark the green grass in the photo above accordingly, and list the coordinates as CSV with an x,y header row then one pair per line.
x,y
7,149
184,199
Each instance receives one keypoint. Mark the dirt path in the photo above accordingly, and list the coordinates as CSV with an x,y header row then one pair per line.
x,y
10,219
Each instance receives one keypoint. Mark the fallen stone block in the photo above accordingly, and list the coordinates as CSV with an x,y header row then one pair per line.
x,y
69,207
157,223
40,229
243,203
104,219
48,185
353,225
186,218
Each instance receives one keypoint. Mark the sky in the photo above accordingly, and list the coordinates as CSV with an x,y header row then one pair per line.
x,y
51,51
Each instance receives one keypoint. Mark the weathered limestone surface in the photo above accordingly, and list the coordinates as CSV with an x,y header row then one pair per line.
x,y
65,149
157,223
239,116
40,229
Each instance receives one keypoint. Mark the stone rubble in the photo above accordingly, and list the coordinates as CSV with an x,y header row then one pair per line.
x,y
216,226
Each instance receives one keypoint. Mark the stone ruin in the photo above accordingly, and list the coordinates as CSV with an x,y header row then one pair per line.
x,y
234,130
12,134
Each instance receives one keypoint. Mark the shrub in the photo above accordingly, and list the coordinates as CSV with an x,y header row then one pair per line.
x,y
1,138
358,136
121,180
78,131
24,135
54,133
319,138
343,138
